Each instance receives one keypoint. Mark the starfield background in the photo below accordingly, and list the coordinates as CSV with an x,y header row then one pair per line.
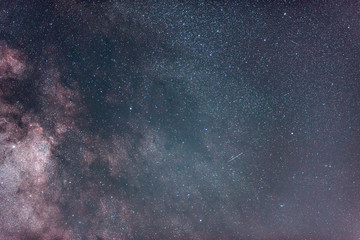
x,y
179,119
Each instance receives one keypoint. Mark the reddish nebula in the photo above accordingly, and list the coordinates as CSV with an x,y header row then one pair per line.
x,y
12,62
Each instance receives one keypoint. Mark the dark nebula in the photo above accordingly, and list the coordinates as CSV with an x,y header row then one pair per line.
x,y
179,120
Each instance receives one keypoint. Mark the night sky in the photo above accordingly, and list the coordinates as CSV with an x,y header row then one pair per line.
x,y
171,119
